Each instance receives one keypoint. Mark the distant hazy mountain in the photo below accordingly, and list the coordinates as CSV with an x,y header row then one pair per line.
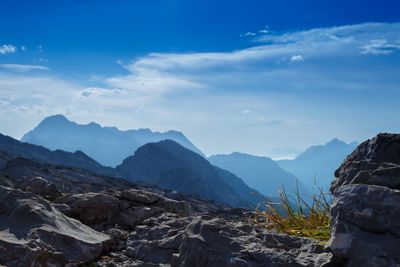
x,y
107,145
11,148
261,173
319,162
171,166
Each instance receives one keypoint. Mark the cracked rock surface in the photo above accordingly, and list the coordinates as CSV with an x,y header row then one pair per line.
x,y
366,207
34,233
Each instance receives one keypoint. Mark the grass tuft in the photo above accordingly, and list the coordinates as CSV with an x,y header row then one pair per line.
x,y
298,217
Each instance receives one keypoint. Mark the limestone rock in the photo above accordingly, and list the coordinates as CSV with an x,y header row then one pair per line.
x,y
366,225
92,208
366,207
170,240
33,233
375,162
41,187
140,196
215,242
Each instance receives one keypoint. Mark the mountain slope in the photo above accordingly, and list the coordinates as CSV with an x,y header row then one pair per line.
x,y
107,145
319,162
11,148
261,173
171,166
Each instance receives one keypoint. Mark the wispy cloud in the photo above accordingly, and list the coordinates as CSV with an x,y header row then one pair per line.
x,y
97,91
7,49
256,67
22,67
228,97
248,34
380,47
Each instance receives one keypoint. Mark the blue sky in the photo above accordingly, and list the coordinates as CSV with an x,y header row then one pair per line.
x,y
260,77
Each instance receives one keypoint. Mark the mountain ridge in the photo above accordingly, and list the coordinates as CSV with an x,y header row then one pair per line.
x,y
316,165
236,192
258,172
172,166
12,148
107,145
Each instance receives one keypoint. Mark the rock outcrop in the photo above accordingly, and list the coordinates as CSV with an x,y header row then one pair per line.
x,y
34,233
366,207
170,240
140,228
126,208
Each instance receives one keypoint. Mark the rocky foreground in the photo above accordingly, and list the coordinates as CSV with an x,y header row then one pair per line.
x,y
56,216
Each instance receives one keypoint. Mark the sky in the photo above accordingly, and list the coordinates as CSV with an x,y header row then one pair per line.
x,y
262,77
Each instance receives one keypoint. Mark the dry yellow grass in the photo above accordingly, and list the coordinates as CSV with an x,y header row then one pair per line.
x,y
303,218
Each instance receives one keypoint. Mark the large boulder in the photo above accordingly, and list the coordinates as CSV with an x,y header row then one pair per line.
x,y
34,233
366,207
39,186
366,225
125,208
374,162
91,208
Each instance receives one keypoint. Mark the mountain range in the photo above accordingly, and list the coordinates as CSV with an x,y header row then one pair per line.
x,y
11,149
171,166
107,145
110,146
259,172
167,164
316,165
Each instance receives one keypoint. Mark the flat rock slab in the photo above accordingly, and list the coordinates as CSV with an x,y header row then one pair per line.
x,y
34,233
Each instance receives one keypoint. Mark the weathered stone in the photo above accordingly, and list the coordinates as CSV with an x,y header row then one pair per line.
x,y
215,242
33,233
366,207
92,208
118,238
374,162
140,196
366,225
207,241
41,187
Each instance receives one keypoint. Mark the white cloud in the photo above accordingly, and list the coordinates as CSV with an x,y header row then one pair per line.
x,y
380,47
248,34
265,30
202,94
24,48
97,91
22,67
7,49
297,58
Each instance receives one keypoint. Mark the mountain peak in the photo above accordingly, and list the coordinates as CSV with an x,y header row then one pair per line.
x,y
107,145
335,141
58,118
